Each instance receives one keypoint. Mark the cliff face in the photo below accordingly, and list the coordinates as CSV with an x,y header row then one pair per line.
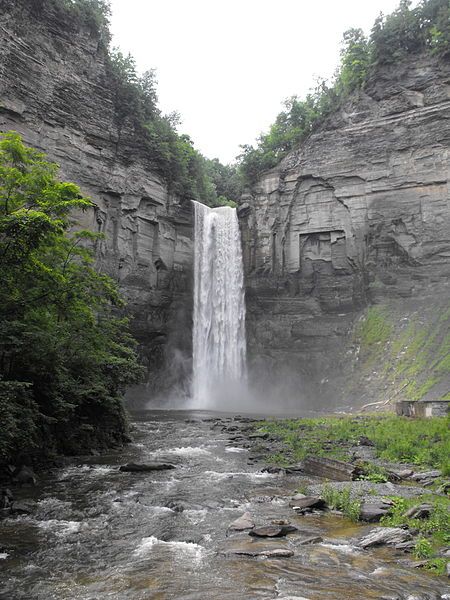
x,y
54,92
359,215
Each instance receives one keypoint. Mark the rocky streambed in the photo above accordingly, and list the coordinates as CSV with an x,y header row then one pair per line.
x,y
213,523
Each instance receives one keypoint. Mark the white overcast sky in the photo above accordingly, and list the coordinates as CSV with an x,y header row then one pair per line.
x,y
227,65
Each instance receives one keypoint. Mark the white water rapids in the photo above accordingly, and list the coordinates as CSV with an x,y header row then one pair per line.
x,y
219,345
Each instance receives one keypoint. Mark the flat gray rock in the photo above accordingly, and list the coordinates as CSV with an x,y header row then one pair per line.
x,y
426,475
373,511
390,536
266,552
24,507
272,531
420,511
300,501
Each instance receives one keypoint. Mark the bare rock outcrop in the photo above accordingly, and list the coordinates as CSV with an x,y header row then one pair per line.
x,y
357,215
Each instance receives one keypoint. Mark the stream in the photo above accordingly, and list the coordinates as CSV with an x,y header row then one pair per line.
x,y
96,532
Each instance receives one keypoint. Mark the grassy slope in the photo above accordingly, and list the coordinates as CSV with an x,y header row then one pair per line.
x,y
403,354
424,442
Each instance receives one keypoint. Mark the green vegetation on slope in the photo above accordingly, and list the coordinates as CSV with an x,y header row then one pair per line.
x,y
434,529
65,358
405,32
424,442
437,524
411,358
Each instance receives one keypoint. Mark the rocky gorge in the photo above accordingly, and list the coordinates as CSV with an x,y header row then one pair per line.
x,y
346,242
339,302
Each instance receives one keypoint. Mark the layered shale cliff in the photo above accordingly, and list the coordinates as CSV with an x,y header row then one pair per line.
x,y
357,217
55,91
346,242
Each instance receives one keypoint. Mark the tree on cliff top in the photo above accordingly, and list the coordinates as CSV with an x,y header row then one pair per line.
x,y
64,356
172,155
407,31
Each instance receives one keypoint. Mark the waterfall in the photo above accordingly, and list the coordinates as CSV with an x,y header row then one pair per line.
x,y
219,346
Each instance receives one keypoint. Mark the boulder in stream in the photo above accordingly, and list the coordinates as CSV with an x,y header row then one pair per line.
x,y
272,531
142,468
301,502
6,500
380,536
242,523
175,506
24,475
24,507
315,539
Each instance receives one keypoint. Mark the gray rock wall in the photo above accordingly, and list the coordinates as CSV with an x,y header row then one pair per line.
x,y
54,92
358,215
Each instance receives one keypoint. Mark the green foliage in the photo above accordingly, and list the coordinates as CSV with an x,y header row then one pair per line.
x,y
226,181
135,97
423,548
19,416
64,355
91,14
172,155
341,500
438,566
406,31
292,126
355,60
372,472
187,172
375,329
409,31
425,442
434,529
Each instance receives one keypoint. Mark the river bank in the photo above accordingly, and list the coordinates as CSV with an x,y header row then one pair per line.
x,y
94,531
396,473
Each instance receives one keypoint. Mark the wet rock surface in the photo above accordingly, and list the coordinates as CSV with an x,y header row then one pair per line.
x,y
300,502
242,523
373,511
272,531
147,467
390,536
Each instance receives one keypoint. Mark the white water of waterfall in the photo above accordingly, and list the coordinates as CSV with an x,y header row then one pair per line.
x,y
219,346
